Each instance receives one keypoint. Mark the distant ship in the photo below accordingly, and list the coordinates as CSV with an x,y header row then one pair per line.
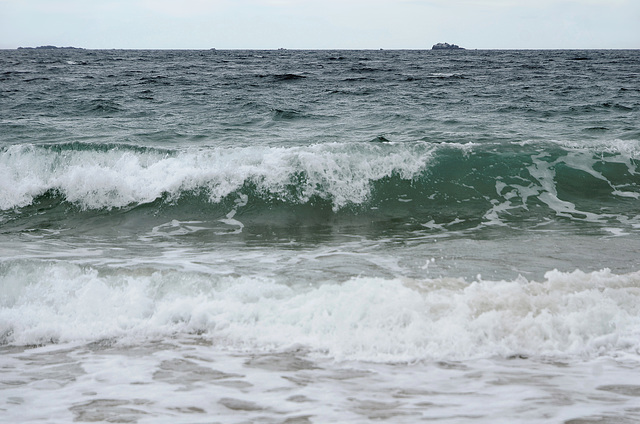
x,y
446,46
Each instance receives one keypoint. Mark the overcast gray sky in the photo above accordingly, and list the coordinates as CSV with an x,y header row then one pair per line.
x,y
321,24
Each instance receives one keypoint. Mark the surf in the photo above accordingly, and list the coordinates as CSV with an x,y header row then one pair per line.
x,y
419,183
566,314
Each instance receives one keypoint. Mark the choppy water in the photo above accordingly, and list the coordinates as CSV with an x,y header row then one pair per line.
x,y
320,236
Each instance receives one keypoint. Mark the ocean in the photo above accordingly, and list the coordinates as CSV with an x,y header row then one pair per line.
x,y
320,236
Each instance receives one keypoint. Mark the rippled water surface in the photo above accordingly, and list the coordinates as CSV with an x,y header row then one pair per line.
x,y
320,236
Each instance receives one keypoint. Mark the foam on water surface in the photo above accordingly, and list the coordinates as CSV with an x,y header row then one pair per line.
x,y
475,186
120,176
565,315
190,380
299,236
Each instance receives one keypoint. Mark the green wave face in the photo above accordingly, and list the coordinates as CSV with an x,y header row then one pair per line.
x,y
420,185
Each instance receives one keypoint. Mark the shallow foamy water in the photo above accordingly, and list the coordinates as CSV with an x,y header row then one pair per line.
x,y
186,347
190,380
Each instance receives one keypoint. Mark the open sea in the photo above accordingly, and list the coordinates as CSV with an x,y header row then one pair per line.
x,y
320,236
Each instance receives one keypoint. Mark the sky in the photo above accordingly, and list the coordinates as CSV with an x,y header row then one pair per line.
x,y
321,24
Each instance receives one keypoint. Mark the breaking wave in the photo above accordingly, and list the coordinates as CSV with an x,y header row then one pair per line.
x,y
573,314
442,183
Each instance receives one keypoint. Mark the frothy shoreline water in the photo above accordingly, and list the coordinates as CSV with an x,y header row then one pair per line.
x,y
189,381
398,320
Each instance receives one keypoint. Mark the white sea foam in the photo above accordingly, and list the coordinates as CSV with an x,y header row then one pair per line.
x,y
119,177
565,315
629,148
544,172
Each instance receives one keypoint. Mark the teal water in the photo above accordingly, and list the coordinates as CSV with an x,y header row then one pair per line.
x,y
321,224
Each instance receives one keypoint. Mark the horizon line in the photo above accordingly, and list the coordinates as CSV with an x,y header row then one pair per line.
x,y
52,47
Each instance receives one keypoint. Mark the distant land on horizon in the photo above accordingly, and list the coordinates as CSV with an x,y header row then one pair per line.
x,y
437,46
48,47
446,46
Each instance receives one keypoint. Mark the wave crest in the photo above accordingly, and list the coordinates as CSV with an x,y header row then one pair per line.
x,y
119,176
433,185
